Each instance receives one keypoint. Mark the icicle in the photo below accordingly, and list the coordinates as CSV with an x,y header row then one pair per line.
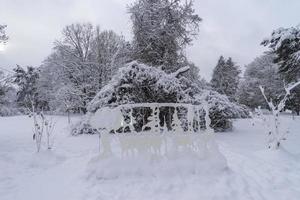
x,y
190,117
207,118
176,122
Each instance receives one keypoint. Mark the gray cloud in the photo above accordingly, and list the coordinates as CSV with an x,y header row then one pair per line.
x,y
230,27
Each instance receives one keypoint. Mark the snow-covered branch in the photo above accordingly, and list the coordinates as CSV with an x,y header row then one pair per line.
x,y
276,135
180,71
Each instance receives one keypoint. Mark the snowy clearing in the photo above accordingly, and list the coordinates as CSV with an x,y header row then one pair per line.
x,y
66,172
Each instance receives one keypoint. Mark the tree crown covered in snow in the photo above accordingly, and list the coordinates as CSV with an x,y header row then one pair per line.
x,y
162,28
285,43
262,71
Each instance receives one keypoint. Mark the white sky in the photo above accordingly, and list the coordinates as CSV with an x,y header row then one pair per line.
x,y
230,27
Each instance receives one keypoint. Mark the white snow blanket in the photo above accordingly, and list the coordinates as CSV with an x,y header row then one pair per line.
x,y
72,169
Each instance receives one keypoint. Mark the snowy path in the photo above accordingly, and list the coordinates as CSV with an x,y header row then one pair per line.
x,y
254,172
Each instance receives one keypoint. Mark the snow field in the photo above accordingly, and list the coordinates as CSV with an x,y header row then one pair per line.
x,y
73,169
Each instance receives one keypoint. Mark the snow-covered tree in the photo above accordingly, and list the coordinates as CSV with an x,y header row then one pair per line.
x,y
285,43
110,52
3,36
26,80
162,29
7,96
262,71
226,77
82,63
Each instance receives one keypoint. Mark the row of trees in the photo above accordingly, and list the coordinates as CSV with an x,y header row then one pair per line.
x,y
277,67
85,59
80,65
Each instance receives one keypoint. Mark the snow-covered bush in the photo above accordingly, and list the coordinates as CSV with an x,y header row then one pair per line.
x,y
42,126
137,83
83,126
221,110
140,83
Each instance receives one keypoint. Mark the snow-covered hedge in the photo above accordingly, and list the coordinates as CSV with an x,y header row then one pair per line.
x,y
139,83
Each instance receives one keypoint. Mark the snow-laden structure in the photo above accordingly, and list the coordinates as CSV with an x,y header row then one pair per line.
x,y
156,150
155,137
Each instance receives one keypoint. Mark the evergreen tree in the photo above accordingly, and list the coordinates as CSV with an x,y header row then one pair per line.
x,y
226,78
285,44
26,80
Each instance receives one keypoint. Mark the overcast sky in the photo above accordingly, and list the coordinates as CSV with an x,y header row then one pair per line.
x,y
230,27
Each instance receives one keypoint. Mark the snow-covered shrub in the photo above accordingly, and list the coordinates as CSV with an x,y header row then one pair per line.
x,y
137,83
42,126
83,127
222,110
140,83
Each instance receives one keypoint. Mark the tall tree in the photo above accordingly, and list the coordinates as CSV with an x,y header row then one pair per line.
x,y
162,29
285,44
226,77
261,72
81,64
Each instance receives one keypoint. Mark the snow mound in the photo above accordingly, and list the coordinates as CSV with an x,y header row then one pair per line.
x,y
46,159
182,163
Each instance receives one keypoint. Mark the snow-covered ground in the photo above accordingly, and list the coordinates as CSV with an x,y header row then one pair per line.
x,y
253,171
